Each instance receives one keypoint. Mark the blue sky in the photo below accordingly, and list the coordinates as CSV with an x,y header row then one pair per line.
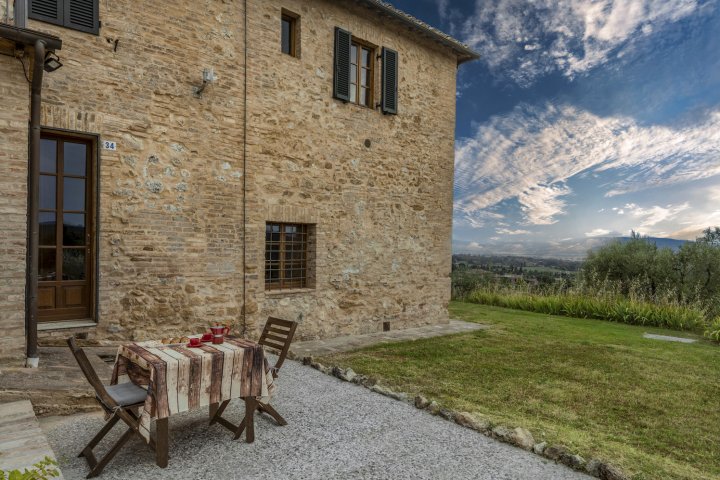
x,y
583,119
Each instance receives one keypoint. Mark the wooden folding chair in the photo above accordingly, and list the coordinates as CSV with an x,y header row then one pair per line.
x,y
277,335
120,401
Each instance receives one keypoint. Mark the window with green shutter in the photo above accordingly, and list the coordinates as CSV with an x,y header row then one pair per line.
x,y
80,15
389,81
341,84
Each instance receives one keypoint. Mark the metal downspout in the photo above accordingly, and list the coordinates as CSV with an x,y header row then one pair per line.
x,y
245,117
33,195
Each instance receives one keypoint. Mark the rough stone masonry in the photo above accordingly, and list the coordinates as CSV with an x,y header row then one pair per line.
x,y
184,199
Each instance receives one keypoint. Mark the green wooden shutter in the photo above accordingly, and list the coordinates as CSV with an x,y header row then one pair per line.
x,y
82,15
389,81
341,84
50,11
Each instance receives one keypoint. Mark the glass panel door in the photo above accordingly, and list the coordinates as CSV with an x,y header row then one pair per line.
x,y
65,247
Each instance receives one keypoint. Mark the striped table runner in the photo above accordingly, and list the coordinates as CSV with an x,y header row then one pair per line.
x,y
181,378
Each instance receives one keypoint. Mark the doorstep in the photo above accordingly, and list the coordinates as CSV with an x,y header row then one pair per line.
x,y
66,325
55,333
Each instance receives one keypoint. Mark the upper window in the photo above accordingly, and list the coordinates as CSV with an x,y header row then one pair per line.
x,y
287,256
80,15
289,37
361,74
354,73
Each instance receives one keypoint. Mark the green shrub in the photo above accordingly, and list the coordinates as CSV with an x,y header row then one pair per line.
x,y
713,330
43,470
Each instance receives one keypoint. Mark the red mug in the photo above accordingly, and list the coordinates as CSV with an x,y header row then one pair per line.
x,y
194,342
207,337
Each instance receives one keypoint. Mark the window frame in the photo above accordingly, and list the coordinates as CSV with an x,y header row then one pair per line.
x,y
356,86
305,262
294,34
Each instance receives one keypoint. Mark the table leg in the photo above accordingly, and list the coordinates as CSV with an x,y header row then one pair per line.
x,y
250,407
213,409
161,443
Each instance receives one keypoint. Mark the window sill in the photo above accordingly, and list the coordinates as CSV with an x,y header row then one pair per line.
x,y
281,292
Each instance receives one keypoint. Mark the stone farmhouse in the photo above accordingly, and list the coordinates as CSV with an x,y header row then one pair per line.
x,y
164,165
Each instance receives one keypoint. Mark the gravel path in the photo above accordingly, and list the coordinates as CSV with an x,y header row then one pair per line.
x,y
336,430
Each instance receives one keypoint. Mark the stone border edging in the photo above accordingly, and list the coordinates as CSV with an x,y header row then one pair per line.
x,y
518,436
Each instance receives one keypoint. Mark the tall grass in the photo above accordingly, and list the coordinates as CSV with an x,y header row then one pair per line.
x,y
601,300
614,309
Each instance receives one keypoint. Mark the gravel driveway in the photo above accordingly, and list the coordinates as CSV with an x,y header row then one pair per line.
x,y
336,430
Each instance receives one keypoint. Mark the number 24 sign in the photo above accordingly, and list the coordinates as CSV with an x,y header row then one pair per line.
x,y
107,145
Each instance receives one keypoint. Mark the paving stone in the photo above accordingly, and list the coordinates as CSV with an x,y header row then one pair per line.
x,y
355,342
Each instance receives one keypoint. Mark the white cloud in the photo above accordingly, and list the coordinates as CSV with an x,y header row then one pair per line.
x,y
651,216
578,35
506,231
598,232
529,154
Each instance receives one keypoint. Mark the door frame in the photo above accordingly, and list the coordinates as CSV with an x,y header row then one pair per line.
x,y
94,177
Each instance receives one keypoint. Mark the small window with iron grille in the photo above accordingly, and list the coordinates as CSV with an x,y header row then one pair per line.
x,y
288,256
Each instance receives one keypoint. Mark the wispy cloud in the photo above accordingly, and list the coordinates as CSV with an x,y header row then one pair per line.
x,y
507,231
651,216
524,39
598,232
531,153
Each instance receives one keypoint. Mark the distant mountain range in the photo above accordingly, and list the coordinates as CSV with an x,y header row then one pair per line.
x,y
572,249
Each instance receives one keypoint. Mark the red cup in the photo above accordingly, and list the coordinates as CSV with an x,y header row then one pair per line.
x,y
207,337
194,342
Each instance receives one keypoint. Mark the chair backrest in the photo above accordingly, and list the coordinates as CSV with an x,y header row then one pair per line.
x,y
90,374
278,335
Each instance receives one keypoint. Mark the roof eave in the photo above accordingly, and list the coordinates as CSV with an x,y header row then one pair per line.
x,y
462,51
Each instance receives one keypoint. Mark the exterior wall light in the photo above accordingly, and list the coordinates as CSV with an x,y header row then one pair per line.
x,y
52,62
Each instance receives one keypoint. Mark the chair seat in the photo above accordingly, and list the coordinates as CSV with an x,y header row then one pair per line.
x,y
126,394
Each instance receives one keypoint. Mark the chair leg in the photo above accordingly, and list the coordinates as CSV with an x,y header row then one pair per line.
x,y
97,469
217,413
267,408
100,435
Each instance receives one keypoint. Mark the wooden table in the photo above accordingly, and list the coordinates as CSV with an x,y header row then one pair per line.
x,y
180,378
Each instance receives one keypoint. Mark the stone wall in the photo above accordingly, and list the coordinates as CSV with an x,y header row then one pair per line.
x,y
382,213
170,249
14,117
171,196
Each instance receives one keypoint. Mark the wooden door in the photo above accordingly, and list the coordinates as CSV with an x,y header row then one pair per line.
x,y
65,256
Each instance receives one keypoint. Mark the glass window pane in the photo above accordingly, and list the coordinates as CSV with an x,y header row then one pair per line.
x,y
363,96
364,77
48,155
46,264
47,192
353,54
353,74
353,94
73,229
365,57
48,228
73,266
74,194
285,37
74,158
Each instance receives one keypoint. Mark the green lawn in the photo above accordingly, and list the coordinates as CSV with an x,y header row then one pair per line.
x,y
650,407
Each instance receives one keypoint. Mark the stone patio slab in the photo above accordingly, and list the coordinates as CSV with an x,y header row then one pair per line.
x,y
668,338
22,443
355,342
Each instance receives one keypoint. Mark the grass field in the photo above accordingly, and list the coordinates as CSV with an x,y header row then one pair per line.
x,y
650,407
